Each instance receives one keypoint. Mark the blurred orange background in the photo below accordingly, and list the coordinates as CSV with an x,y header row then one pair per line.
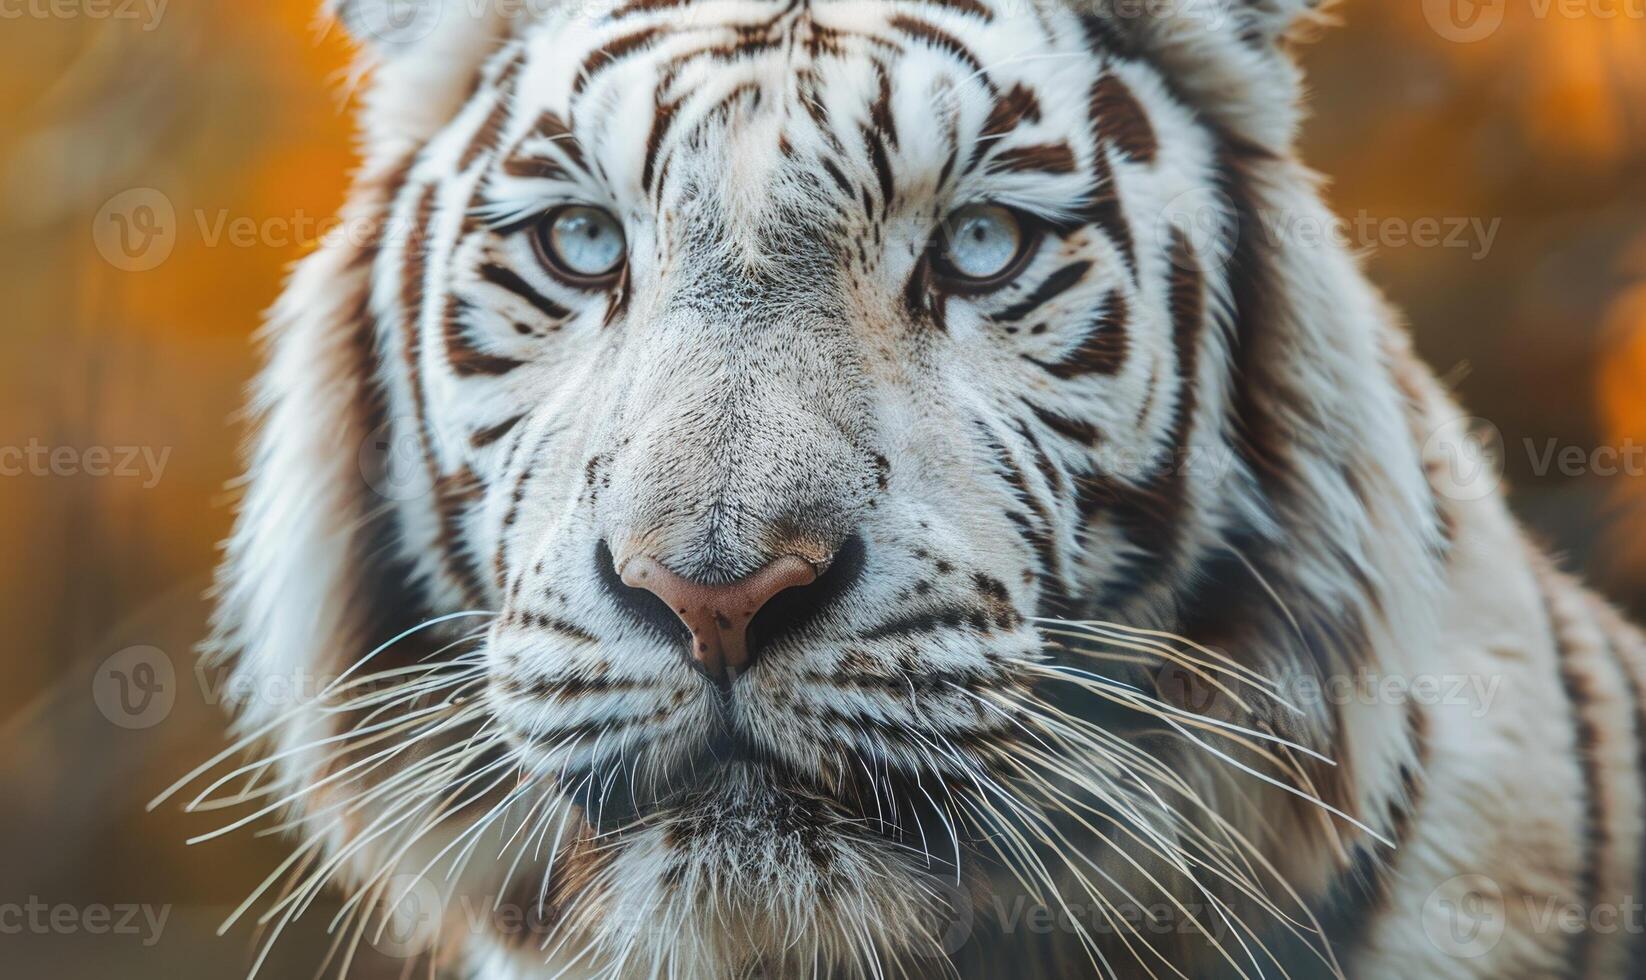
x,y
236,114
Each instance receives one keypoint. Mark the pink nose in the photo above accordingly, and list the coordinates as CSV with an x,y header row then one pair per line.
x,y
718,616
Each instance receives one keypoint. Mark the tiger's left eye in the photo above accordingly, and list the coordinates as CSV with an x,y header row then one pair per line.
x,y
983,247
583,245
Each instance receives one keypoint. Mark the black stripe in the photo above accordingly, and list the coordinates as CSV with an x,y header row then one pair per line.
x,y
1122,121
612,52
1360,897
882,165
1151,513
880,113
490,435
1072,429
1104,210
454,494
662,119
486,135
1041,158
646,6
463,355
969,7
942,40
511,281
1040,531
1103,349
552,128
1631,666
1593,831
1051,288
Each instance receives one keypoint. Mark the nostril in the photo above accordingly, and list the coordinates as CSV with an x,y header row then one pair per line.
x,y
641,605
791,611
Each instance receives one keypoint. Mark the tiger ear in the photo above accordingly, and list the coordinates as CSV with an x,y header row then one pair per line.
x,y
1229,57
1269,21
423,57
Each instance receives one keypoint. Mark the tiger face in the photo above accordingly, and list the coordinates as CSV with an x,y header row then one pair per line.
x,y
794,385
786,357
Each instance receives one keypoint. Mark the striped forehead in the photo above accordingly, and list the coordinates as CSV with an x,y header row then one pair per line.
x,y
641,87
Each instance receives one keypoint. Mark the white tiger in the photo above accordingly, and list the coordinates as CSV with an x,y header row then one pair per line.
x,y
880,506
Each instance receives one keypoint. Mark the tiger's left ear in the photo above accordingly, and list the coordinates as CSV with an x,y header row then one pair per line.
x,y
1229,57
1269,21
423,57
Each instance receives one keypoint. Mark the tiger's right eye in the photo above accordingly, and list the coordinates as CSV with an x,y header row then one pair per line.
x,y
582,245
982,248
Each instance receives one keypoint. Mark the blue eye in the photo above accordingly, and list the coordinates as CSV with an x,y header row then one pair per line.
x,y
983,246
585,245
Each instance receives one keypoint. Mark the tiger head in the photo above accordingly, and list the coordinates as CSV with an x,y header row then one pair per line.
x,y
798,470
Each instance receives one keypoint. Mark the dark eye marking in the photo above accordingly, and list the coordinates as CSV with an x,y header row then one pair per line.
x,y
1104,348
1055,285
510,281
1121,120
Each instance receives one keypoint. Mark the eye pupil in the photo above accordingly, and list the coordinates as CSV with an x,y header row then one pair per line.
x,y
583,244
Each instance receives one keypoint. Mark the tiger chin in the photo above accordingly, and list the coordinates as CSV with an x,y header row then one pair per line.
x,y
823,488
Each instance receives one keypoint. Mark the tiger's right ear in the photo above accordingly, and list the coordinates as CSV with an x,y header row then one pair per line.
x,y
422,57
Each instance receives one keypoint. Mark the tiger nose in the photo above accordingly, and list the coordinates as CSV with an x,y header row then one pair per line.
x,y
718,616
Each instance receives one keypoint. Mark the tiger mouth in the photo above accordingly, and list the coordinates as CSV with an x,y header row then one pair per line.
x,y
870,796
